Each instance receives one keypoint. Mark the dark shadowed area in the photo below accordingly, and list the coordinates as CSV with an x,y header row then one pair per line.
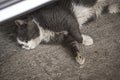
x,y
53,62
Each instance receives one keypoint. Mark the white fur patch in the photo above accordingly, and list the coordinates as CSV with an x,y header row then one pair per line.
x,y
30,44
45,35
82,13
87,40
21,42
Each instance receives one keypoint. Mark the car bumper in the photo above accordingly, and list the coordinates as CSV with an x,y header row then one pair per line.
x,y
20,8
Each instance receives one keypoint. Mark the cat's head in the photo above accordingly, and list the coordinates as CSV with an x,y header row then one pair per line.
x,y
28,33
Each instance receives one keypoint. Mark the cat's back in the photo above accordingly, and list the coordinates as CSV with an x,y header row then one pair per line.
x,y
54,17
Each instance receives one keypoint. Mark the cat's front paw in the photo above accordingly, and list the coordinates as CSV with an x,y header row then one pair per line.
x,y
80,59
28,47
87,40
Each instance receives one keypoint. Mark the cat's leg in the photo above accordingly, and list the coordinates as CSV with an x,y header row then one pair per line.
x,y
75,33
85,39
73,45
74,30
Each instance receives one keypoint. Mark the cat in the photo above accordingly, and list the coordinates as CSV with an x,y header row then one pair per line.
x,y
61,22
51,23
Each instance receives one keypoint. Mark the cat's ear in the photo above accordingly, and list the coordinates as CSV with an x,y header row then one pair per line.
x,y
20,22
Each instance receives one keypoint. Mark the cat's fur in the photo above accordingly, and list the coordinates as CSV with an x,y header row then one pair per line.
x,y
60,21
86,10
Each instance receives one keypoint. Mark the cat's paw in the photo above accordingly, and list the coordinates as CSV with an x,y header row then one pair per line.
x,y
80,59
30,45
26,47
87,40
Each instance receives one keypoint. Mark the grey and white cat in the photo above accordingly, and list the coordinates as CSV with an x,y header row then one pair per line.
x,y
61,22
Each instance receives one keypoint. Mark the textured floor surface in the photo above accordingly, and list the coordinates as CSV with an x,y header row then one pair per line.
x,y
53,62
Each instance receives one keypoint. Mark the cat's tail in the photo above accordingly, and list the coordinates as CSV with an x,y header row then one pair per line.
x,y
106,6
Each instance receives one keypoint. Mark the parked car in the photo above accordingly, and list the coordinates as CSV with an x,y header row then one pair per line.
x,y
10,9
